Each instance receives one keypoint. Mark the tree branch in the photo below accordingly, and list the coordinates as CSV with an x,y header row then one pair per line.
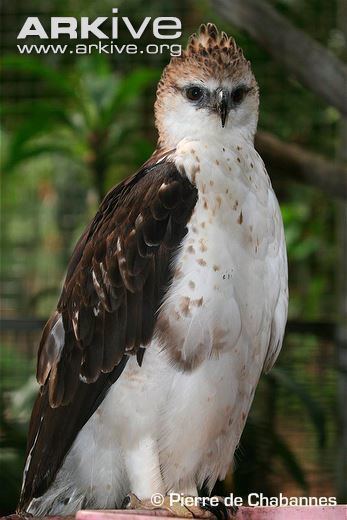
x,y
315,66
298,164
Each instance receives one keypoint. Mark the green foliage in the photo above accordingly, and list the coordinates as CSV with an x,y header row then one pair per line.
x,y
93,120
285,379
85,139
9,358
309,221
16,401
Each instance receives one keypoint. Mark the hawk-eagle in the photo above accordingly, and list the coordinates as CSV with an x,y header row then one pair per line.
x,y
175,300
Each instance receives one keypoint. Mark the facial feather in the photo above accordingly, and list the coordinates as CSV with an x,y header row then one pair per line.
x,y
213,64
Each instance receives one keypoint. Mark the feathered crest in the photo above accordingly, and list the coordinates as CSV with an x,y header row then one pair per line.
x,y
212,50
209,39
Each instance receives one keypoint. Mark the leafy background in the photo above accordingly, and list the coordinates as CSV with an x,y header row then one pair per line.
x,y
71,128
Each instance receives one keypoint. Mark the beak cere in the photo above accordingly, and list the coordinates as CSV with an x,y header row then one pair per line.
x,y
222,105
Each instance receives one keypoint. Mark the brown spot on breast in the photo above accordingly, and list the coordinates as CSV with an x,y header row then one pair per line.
x,y
187,363
190,249
216,267
203,246
240,219
163,324
173,342
239,148
211,183
219,201
194,171
198,302
185,306
238,159
251,165
201,261
219,337
205,204
178,273
191,284
223,149
203,188
235,205
217,162
203,224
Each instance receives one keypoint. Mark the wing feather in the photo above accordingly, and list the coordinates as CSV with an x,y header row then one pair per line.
x,y
115,282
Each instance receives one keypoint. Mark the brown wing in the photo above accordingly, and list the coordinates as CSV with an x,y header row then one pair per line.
x,y
116,279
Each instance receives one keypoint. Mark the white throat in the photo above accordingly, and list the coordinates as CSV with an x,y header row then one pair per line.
x,y
180,121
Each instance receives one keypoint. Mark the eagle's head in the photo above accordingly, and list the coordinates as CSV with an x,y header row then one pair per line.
x,y
208,90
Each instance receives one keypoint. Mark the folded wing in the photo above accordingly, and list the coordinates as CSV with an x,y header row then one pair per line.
x,y
117,277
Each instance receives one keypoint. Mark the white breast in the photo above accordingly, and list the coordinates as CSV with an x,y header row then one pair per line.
x,y
226,307
231,269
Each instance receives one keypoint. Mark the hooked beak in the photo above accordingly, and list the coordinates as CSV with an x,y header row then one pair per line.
x,y
222,105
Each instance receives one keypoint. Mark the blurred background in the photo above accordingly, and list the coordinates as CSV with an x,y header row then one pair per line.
x,y
73,126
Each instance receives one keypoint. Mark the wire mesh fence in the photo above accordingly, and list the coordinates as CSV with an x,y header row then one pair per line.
x,y
47,201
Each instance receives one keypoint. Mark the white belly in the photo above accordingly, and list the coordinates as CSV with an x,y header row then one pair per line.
x,y
182,413
193,422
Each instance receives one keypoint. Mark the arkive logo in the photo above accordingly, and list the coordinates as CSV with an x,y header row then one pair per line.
x,y
163,27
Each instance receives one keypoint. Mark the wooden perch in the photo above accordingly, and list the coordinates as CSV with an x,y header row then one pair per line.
x,y
292,161
314,65
243,513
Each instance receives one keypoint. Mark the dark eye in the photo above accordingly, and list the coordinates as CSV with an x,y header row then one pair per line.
x,y
238,94
194,93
